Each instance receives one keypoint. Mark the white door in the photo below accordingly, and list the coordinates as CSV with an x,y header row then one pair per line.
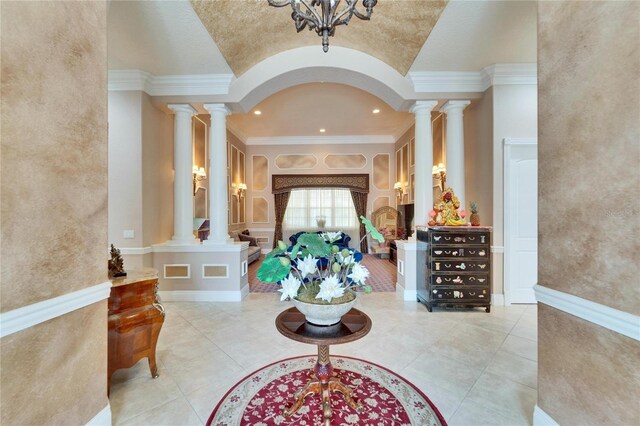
x,y
520,220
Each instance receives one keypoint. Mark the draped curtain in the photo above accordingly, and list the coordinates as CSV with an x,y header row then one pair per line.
x,y
281,201
360,203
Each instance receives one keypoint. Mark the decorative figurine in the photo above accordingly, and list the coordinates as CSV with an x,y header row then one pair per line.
x,y
447,210
116,264
475,217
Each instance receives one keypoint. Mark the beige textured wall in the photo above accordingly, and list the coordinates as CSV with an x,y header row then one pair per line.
x,y
157,174
233,140
56,372
54,223
589,187
587,375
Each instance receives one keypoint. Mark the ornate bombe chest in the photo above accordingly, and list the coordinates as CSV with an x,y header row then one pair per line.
x,y
458,267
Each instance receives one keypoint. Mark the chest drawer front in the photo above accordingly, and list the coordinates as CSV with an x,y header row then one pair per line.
x,y
442,237
459,265
460,294
460,251
473,279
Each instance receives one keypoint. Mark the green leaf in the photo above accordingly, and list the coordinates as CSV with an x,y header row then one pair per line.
x,y
375,234
272,270
294,251
275,252
315,244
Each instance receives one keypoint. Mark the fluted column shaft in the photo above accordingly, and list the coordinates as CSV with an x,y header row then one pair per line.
x,y
218,190
183,177
455,148
423,193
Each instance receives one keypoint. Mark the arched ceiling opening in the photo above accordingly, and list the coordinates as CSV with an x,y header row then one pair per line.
x,y
249,31
304,109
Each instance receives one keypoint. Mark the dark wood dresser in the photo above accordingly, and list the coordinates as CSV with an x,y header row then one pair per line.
x,y
135,319
458,269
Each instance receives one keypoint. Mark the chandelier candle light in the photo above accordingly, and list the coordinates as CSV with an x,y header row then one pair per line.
x,y
323,15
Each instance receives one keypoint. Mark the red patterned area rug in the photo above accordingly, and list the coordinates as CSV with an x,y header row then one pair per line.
x,y
382,276
260,398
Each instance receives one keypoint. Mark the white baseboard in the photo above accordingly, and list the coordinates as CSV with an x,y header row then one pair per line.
x,y
204,295
540,418
36,313
605,316
407,295
497,299
103,418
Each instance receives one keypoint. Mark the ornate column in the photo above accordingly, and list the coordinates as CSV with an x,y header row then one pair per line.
x,y
455,148
423,193
218,190
183,178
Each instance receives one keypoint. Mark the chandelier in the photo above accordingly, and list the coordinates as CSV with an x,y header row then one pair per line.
x,y
323,15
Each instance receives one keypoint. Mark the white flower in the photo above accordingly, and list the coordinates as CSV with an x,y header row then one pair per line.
x,y
330,288
290,286
331,236
345,260
308,265
358,274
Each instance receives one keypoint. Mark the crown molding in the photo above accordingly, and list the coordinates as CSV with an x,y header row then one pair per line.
x,y
504,74
447,81
170,85
321,140
463,81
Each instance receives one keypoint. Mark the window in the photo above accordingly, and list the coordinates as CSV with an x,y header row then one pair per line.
x,y
308,208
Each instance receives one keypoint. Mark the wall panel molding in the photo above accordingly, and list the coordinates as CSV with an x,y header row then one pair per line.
x,y
30,315
605,316
204,295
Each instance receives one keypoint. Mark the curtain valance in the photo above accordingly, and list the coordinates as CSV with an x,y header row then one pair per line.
x,y
353,182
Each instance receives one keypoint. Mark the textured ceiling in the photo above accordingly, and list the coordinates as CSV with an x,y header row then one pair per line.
x,y
341,110
249,31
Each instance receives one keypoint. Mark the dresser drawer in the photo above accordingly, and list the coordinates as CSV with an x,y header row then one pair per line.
x,y
460,294
460,251
459,265
460,279
444,237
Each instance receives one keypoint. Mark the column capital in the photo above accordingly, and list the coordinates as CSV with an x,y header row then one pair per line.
x,y
423,107
454,106
217,108
182,108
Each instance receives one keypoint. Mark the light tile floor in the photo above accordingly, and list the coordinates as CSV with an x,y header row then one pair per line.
x,y
477,368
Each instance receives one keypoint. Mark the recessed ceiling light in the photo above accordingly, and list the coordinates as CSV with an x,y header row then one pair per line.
x,y
257,112
323,130
375,111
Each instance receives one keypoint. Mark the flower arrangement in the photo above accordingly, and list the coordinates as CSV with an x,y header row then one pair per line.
x,y
316,270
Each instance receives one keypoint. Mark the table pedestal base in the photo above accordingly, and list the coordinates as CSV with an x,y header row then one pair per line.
x,y
324,385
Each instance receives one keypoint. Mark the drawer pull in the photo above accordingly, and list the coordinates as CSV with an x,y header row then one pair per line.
x,y
458,280
438,280
438,252
482,295
436,238
472,294
458,294
460,266
482,266
459,239
447,238
481,279
437,266
472,238
482,239
482,253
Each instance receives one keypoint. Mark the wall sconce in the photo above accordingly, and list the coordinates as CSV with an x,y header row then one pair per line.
x,y
440,173
239,189
198,175
399,188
